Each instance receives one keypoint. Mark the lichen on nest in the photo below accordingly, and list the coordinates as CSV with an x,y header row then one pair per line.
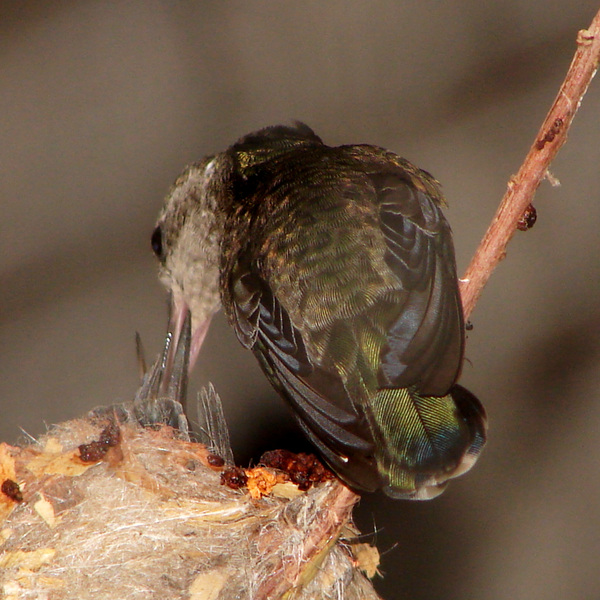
x,y
102,507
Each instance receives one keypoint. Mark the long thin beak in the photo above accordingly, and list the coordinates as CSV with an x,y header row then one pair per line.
x,y
174,362
165,385
179,312
162,397
168,376
182,346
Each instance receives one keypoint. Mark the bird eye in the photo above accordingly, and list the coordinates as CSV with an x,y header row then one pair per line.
x,y
157,242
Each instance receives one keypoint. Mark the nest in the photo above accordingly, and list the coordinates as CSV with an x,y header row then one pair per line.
x,y
102,507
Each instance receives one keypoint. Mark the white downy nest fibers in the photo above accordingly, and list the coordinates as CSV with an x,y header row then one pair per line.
x,y
142,513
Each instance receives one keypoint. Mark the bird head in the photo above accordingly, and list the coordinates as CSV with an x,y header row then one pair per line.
x,y
186,241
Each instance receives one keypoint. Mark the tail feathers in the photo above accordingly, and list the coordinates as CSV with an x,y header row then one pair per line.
x,y
424,441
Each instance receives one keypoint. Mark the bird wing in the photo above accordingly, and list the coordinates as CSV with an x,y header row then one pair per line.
x,y
317,395
424,346
347,285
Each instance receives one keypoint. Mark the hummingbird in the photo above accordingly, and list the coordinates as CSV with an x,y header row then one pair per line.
x,y
336,267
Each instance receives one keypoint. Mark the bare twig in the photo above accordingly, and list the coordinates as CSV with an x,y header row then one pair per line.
x,y
522,187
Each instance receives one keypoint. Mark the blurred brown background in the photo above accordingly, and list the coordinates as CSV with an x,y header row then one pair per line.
x,y
102,104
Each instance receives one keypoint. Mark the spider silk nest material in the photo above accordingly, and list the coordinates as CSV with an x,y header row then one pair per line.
x,y
148,517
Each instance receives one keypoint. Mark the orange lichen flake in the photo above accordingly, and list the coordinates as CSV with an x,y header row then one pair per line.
x,y
260,482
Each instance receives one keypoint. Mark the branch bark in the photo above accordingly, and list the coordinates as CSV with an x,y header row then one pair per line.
x,y
516,205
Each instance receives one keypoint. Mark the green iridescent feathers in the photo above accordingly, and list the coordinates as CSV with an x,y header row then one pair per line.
x,y
338,271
